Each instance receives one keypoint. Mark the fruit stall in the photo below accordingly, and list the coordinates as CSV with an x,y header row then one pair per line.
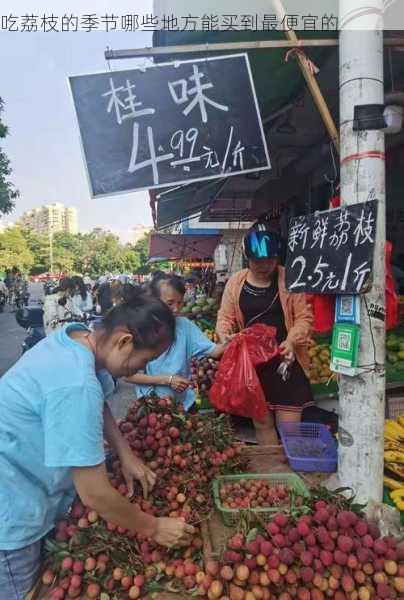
x,y
260,536
323,381
394,462
203,311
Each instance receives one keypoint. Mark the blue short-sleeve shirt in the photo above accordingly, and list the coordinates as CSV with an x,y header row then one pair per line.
x,y
189,343
51,419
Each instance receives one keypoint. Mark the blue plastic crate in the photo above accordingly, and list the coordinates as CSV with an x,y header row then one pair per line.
x,y
309,447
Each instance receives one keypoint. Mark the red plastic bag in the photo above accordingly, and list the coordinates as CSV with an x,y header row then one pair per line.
x,y
237,389
392,302
323,312
261,343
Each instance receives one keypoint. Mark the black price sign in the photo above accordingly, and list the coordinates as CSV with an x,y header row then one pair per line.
x,y
332,252
169,124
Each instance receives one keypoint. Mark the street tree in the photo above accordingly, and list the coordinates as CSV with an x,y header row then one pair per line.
x,y
39,245
14,251
130,259
8,192
101,252
141,250
91,254
69,241
63,260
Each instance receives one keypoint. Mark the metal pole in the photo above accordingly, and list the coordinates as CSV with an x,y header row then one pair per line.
x,y
362,398
51,249
126,53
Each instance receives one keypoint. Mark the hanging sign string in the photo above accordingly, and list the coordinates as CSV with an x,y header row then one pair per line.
x,y
299,54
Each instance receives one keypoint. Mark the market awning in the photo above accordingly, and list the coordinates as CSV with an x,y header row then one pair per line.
x,y
182,247
177,205
278,84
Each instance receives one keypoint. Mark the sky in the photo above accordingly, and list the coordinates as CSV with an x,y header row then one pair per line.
x,y
43,145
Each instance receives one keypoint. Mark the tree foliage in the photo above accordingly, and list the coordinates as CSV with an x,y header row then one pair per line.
x,y
92,254
38,245
142,251
8,193
14,251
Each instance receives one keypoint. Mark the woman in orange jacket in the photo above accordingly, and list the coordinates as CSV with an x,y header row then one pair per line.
x,y
258,295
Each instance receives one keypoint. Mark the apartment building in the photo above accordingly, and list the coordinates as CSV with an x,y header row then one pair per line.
x,y
51,218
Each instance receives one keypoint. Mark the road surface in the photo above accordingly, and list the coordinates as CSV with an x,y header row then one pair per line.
x,y
11,334
11,338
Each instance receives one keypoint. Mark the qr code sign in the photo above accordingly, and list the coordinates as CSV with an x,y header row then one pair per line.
x,y
346,306
344,341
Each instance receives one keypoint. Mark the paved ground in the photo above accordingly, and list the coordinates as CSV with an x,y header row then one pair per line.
x,y
12,336
122,399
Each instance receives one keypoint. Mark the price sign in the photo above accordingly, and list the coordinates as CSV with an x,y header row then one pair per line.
x,y
332,252
169,124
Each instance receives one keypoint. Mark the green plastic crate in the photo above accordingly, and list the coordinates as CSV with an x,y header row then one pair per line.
x,y
230,516
204,404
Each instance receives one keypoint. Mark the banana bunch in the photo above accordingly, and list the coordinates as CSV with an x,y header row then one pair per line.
x,y
398,498
394,460
394,430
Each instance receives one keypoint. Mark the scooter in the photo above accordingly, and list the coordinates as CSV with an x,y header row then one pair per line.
x,y
3,301
31,319
21,298
90,320
49,288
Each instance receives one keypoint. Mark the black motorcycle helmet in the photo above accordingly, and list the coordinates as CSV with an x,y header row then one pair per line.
x,y
263,242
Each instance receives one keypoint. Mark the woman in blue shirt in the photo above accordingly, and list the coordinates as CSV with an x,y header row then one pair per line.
x,y
170,373
53,422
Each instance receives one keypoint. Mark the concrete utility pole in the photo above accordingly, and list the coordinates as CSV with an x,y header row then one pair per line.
x,y
362,398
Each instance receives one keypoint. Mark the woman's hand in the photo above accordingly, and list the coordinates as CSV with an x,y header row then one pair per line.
x,y
287,351
173,532
226,339
134,468
179,384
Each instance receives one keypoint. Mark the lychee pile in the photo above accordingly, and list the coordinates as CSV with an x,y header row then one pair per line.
x,y
186,452
329,554
253,493
332,552
203,374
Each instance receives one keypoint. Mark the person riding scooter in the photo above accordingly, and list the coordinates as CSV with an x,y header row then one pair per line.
x,y
58,307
